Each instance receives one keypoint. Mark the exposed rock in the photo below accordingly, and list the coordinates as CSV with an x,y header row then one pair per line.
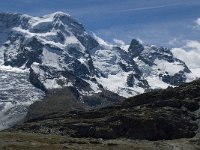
x,y
101,99
135,48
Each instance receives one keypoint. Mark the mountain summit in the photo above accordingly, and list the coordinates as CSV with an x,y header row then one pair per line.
x,y
55,51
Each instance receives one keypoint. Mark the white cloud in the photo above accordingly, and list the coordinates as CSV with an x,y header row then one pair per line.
x,y
194,45
121,44
190,54
198,21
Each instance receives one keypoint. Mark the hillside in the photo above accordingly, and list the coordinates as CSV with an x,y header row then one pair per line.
x,y
159,115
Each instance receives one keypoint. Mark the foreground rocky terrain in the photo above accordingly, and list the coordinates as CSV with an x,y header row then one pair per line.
x,y
158,115
31,141
168,119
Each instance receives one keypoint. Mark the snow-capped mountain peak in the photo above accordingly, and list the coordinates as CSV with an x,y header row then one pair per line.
x,y
58,52
56,46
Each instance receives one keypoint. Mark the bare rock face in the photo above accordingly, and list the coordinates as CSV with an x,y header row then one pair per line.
x,y
135,48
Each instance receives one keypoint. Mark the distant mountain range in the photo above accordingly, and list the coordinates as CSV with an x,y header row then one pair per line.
x,y
38,54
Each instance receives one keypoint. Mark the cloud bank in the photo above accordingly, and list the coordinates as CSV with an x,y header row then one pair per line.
x,y
190,54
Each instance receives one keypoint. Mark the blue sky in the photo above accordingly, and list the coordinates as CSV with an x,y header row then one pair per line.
x,y
162,22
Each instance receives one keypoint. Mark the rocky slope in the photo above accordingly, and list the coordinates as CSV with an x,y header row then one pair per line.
x,y
68,99
158,115
55,51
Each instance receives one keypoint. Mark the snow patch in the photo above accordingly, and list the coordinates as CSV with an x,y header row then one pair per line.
x,y
50,59
171,68
51,84
117,84
156,83
13,69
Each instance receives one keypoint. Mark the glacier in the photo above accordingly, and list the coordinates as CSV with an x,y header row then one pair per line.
x,y
16,94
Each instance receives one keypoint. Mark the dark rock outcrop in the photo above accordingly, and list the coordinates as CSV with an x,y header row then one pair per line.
x,y
135,48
